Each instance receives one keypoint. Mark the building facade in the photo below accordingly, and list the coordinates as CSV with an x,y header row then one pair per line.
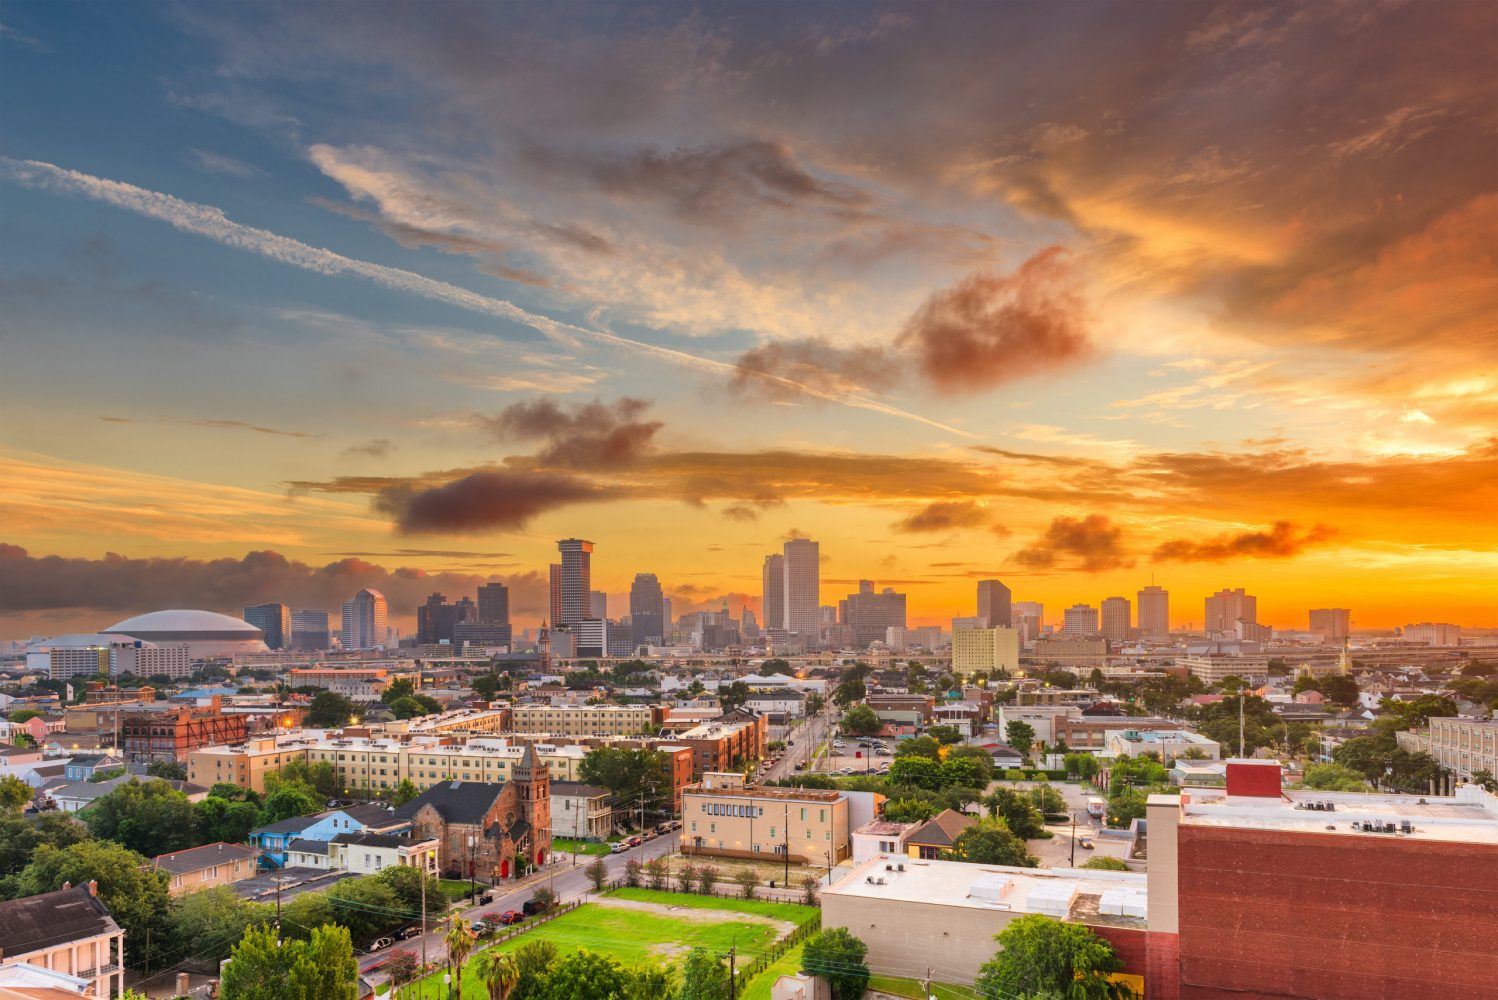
x,y
985,649
69,931
365,621
583,720
871,615
1154,612
1115,618
803,574
1332,624
274,623
1080,619
724,816
152,736
647,610
1228,606
994,604
773,580
207,866
576,580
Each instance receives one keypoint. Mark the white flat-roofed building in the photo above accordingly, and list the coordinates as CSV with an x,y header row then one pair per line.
x,y
880,837
944,914
1165,743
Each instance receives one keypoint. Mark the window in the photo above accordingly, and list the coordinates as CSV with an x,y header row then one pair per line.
x,y
803,814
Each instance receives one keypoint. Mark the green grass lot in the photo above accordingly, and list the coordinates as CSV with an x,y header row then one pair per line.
x,y
794,912
564,845
896,986
787,965
630,936
455,889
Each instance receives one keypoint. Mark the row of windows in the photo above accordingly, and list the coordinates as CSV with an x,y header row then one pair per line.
x,y
724,809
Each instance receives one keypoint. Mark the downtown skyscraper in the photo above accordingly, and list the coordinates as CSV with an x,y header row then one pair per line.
x,y
803,612
576,580
1154,612
773,577
994,604
647,610
365,620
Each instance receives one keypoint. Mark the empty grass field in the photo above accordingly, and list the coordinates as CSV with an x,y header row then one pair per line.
x,y
793,912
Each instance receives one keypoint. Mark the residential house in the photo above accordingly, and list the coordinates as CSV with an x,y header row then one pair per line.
x,y
274,840
206,866
76,795
880,837
367,853
927,841
23,981
579,811
83,767
69,931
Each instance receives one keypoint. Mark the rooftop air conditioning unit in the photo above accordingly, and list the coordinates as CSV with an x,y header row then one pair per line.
x,y
900,867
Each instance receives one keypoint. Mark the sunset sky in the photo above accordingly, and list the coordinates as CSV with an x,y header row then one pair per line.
x,y
301,298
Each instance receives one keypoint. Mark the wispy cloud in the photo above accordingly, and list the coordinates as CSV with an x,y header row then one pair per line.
x,y
218,163
211,222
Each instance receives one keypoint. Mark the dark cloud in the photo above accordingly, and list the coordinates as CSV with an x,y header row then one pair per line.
x,y
374,448
749,510
991,329
116,586
1092,544
770,369
943,515
587,436
482,501
1282,541
985,331
708,183
240,425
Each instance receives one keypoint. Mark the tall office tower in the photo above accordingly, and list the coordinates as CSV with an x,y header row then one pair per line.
x,y
1028,617
311,631
751,624
1228,606
274,622
872,615
1154,612
803,610
1331,623
647,610
434,621
994,604
577,580
1433,633
1116,618
598,604
365,620
494,604
1080,619
773,578
554,603
668,623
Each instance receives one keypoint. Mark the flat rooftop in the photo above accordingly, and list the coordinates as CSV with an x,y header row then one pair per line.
x,y
1073,894
1468,817
766,792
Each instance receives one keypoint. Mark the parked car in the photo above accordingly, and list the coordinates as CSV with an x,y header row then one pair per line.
x,y
378,943
675,824
511,917
619,847
1084,842
663,828
633,842
486,897
531,908
407,933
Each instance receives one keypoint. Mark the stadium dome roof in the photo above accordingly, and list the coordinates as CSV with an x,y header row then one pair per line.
x,y
180,621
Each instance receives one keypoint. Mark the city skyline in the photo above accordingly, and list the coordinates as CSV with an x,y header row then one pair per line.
x,y
296,307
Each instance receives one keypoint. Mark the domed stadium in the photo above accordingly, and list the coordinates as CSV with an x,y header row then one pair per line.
x,y
206,633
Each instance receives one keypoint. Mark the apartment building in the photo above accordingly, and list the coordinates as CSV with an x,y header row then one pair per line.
x,y
583,720
153,736
1212,668
1164,743
725,816
985,649
1460,745
1072,651
730,739
245,765
68,931
1092,732
207,866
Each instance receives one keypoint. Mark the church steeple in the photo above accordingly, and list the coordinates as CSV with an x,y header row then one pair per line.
x,y
1344,662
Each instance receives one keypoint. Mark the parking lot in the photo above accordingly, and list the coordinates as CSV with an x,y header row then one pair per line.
x,y
853,757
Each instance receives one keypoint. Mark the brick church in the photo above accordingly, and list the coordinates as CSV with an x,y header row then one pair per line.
x,y
488,830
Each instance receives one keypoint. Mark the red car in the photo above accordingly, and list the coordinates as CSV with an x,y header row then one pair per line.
x,y
510,917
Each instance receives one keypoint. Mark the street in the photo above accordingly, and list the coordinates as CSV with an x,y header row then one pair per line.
x,y
807,736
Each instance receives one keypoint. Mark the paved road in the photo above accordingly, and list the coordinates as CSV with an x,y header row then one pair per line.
x,y
808,736
566,881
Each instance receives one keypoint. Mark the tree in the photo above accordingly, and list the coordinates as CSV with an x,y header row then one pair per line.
x,y
989,842
919,746
777,666
24,715
168,770
20,837
208,922
732,696
945,735
920,772
286,802
838,957
498,972
628,774
134,892
1483,778
1106,863
407,708
459,939
909,810
598,873
656,873
1048,800
686,877
965,771
1020,735
404,791
14,794
1042,957
815,703
586,975
534,962
1083,765
150,817
486,686
848,691
329,710
707,879
860,720
399,688
1334,778
703,977
405,881
747,881
809,886
403,967
544,899
1018,811
321,966
980,758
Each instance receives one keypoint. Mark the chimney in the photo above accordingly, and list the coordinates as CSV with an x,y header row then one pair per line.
x,y
184,984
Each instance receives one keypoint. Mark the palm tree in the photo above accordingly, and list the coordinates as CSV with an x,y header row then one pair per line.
x,y
498,972
460,939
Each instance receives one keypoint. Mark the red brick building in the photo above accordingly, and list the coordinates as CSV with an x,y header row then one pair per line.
x,y
1255,894
172,735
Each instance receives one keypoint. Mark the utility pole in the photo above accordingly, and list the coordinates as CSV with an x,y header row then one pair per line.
x,y
425,874
786,832
733,972
1242,697
1073,839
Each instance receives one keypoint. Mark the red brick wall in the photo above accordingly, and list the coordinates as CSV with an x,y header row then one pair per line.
x,y
1162,970
1270,915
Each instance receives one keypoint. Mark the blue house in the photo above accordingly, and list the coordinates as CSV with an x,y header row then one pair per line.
x,y
274,839
83,766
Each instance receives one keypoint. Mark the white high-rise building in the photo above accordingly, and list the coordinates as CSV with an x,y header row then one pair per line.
x,y
1116,611
1080,619
365,620
1434,633
576,579
803,609
1154,612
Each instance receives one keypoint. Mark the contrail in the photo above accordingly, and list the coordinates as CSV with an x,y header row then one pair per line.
x,y
205,220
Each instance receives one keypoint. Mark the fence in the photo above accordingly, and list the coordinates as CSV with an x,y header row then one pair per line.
x,y
779,948
790,895
530,923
